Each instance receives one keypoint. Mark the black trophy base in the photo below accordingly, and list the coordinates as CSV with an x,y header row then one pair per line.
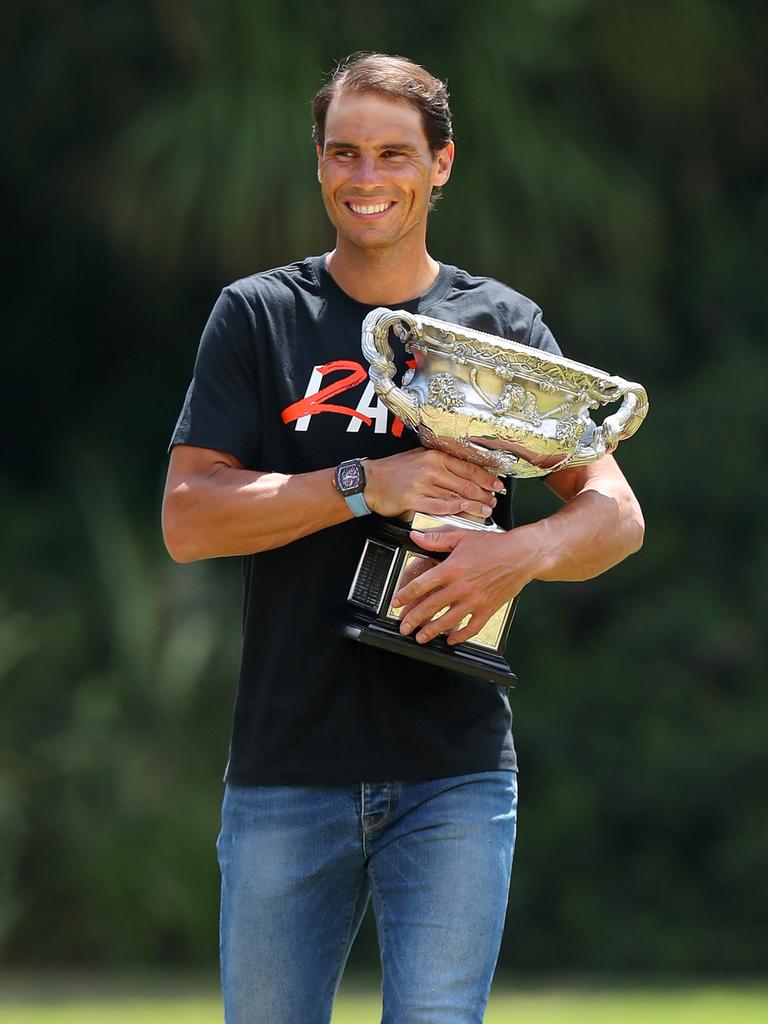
x,y
459,658
367,620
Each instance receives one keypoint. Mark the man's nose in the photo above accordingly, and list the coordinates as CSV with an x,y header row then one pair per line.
x,y
366,173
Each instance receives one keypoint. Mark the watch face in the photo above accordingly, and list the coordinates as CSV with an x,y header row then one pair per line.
x,y
350,477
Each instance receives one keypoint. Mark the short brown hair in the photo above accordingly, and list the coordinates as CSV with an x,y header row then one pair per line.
x,y
396,77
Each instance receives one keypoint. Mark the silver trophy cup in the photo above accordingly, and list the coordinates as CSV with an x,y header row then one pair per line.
x,y
511,408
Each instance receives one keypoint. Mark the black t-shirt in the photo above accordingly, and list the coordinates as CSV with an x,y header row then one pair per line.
x,y
281,383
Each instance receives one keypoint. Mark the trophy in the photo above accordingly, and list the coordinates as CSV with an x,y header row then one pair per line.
x,y
516,411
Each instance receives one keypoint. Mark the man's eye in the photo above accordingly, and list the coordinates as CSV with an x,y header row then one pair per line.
x,y
391,153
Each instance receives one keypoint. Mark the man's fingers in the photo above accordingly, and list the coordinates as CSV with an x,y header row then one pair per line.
x,y
405,609
416,479
422,585
475,475
471,629
451,506
415,568
437,540
431,617
464,487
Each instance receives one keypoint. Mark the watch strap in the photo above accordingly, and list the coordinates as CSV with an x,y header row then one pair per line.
x,y
357,505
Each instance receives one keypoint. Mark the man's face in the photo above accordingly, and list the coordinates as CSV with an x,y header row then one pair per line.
x,y
377,170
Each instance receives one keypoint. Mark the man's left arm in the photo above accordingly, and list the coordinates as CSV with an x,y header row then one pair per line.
x,y
599,525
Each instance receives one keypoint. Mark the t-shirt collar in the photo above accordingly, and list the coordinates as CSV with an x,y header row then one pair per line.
x,y
434,293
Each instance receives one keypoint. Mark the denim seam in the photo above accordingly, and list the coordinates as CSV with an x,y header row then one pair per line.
x,y
380,897
344,945
362,819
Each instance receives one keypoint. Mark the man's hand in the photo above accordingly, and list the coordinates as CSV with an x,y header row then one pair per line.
x,y
482,572
431,482
599,525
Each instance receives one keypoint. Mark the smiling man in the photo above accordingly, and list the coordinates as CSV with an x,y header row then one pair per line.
x,y
356,775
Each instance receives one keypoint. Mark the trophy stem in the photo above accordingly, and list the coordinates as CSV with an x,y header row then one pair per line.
x,y
470,518
424,521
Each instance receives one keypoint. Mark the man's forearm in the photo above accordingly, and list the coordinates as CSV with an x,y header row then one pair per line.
x,y
238,512
214,507
593,531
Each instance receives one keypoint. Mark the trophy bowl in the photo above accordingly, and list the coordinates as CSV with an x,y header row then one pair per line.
x,y
513,409
501,404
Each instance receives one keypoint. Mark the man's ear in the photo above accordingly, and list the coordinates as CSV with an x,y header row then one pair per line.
x,y
443,164
319,149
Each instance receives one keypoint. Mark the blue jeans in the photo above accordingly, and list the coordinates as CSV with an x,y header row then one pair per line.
x,y
299,865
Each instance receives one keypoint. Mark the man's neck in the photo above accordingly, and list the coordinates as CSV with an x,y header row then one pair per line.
x,y
384,277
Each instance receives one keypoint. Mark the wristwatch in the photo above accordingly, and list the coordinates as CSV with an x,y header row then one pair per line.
x,y
350,481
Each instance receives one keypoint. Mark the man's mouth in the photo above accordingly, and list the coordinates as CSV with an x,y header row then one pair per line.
x,y
369,209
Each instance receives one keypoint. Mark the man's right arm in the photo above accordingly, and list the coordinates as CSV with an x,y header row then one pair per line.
x,y
214,507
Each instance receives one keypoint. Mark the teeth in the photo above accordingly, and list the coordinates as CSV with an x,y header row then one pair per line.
x,y
378,208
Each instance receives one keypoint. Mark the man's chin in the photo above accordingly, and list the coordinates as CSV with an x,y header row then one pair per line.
x,y
367,242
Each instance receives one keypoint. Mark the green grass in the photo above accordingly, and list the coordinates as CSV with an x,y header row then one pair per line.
x,y
73,1001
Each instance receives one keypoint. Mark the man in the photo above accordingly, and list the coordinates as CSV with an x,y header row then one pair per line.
x,y
355,773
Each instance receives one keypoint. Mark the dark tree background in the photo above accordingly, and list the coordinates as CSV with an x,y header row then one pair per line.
x,y
612,165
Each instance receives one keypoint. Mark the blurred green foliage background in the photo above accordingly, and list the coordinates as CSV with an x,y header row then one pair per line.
x,y
612,165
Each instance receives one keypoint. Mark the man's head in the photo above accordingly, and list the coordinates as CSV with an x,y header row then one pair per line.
x,y
396,78
384,137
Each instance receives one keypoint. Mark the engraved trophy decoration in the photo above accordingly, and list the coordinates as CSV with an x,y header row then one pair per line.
x,y
508,407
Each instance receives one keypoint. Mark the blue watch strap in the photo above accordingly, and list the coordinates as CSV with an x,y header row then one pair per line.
x,y
357,504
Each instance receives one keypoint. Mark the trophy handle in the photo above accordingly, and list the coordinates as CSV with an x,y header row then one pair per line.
x,y
377,351
617,427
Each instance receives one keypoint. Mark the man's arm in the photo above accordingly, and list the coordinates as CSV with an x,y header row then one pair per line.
x,y
213,506
599,525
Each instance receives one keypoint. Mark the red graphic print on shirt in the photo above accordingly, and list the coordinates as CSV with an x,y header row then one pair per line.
x,y
369,410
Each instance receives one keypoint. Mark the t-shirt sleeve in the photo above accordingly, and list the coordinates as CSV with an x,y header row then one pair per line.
x,y
222,408
541,337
